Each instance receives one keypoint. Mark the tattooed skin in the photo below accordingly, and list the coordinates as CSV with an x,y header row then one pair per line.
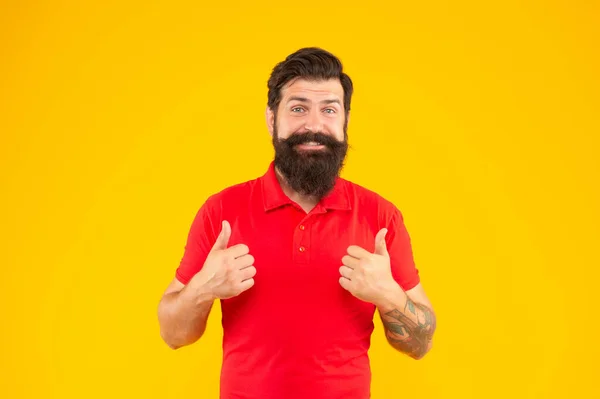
x,y
410,330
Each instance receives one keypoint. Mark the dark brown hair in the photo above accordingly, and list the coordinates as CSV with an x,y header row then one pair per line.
x,y
311,63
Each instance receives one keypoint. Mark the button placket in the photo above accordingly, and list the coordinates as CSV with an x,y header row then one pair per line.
x,y
301,240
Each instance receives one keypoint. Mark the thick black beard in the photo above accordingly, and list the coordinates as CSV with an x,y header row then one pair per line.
x,y
312,173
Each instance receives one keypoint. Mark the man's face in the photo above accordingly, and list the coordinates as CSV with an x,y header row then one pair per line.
x,y
309,135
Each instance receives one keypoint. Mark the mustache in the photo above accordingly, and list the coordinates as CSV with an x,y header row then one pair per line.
x,y
319,138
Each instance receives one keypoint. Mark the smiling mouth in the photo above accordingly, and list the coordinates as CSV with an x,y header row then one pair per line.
x,y
310,144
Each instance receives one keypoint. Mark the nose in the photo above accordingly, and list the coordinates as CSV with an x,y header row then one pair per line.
x,y
313,121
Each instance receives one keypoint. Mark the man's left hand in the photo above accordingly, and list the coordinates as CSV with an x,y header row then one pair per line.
x,y
366,275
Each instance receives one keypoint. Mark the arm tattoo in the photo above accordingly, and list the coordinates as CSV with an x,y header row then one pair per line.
x,y
411,329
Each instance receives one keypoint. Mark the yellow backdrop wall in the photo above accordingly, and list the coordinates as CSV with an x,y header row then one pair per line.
x,y
480,122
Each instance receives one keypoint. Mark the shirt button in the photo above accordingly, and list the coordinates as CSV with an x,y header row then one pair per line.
x,y
301,249
301,227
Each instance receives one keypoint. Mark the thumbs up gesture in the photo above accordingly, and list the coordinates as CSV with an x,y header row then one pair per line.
x,y
227,271
366,275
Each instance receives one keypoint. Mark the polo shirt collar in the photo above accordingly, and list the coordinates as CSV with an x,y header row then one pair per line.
x,y
274,197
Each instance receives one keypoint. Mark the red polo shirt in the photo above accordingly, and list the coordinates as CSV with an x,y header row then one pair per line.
x,y
297,333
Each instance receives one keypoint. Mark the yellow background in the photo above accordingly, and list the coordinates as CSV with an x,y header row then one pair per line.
x,y
479,121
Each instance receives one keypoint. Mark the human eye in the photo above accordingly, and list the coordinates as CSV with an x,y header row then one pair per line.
x,y
330,110
297,109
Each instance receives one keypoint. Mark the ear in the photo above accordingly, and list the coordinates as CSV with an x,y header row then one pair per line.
x,y
270,119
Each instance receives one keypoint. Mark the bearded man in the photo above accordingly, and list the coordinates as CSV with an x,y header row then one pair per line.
x,y
300,258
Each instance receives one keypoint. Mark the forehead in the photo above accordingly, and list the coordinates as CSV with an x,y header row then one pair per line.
x,y
313,90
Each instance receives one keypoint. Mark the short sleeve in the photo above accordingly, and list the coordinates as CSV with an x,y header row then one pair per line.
x,y
200,239
399,247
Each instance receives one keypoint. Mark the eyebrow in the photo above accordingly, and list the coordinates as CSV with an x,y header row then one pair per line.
x,y
306,100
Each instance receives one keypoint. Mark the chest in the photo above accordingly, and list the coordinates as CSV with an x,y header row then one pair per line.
x,y
293,247
298,256
297,259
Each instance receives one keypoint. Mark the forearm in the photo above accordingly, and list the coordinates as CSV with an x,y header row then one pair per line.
x,y
183,315
409,326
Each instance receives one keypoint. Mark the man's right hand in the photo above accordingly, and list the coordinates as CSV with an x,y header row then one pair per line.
x,y
227,272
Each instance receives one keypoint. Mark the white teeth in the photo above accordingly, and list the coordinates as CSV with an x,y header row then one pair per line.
x,y
312,143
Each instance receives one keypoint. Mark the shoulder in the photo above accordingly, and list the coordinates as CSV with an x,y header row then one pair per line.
x,y
232,202
232,195
234,192
365,197
373,207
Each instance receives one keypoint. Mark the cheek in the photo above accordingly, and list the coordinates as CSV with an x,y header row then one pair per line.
x,y
289,127
336,128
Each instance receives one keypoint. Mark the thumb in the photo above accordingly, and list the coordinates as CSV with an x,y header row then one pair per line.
x,y
380,245
223,238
